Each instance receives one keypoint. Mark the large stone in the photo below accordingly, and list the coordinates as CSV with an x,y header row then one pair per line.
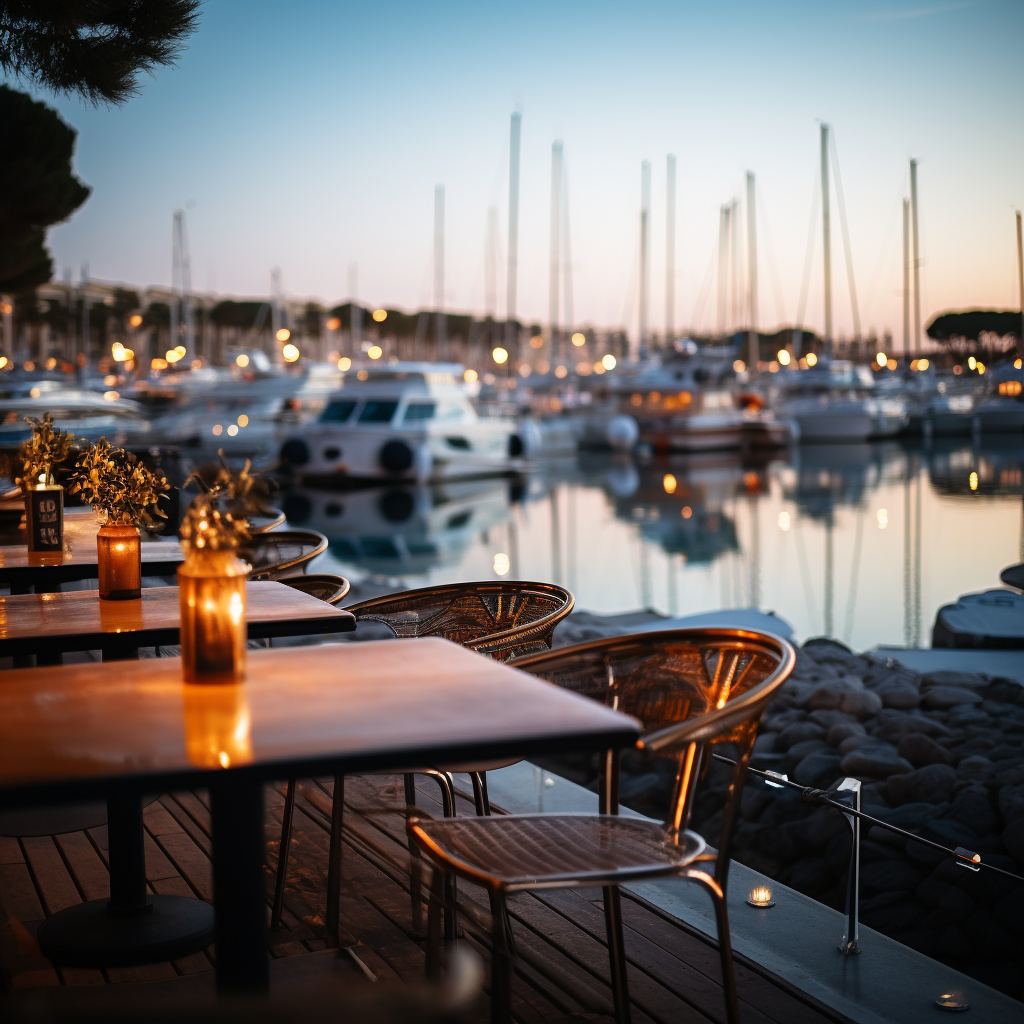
x,y
971,806
909,816
829,696
855,741
932,784
797,732
920,750
765,742
892,724
1009,912
891,912
809,875
951,677
861,703
821,827
889,876
819,769
1013,840
974,768
939,698
876,760
1011,803
844,731
827,719
899,695
799,751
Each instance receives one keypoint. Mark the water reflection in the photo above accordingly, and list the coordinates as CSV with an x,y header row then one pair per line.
x,y
863,542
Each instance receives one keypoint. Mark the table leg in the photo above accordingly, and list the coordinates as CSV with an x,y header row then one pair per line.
x,y
239,883
132,927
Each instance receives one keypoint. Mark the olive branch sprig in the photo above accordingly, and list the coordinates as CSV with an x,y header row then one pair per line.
x,y
46,448
118,484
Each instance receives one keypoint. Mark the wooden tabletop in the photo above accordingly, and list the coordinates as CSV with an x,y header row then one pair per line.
x,y
85,731
20,567
80,621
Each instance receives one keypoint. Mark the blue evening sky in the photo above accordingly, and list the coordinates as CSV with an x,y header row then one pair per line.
x,y
310,136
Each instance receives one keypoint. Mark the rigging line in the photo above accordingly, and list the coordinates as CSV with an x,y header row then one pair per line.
x,y
872,290
702,295
851,597
780,304
809,254
820,796
566,248
846,233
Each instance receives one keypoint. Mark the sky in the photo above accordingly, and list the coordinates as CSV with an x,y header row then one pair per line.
x,y
310,136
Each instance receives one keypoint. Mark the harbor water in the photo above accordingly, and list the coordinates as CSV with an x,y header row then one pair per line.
x,y
861,542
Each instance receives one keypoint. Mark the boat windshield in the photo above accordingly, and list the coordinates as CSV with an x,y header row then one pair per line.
x,y
337,412
416,412
378,411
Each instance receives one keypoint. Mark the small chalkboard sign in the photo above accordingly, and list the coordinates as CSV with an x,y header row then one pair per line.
x,y
44,518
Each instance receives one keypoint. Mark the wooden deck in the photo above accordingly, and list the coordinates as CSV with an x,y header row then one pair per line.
x,y
674,975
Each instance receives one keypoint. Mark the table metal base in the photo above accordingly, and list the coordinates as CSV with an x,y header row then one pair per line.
x,y
89,935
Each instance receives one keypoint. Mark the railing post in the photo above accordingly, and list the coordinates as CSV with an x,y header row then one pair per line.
x,y
847,791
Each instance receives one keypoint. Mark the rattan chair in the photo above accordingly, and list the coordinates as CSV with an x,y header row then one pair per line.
x,y
323,586
691,689
267,520
500,619
282,553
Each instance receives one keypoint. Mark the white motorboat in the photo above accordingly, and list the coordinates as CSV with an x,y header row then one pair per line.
x,y
1002,412
83,413
833,402
402,421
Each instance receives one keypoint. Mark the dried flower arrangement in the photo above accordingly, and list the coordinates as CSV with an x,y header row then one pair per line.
x,y
216,519
116,483
46,449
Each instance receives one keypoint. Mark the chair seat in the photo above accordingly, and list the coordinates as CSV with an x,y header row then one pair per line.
x,y
537,851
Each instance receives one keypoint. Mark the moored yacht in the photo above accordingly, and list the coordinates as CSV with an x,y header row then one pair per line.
x,y
402,421
83,413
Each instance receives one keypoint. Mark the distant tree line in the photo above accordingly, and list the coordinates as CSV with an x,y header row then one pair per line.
x,y
974,331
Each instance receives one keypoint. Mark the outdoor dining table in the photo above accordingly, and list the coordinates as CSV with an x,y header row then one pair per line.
x,y
22,570
123,729
49,625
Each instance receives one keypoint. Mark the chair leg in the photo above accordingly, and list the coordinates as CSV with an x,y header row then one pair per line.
x,y
501,962
732,1002
480,798
434,911
447,786
616,952
414,886
282,853
334,862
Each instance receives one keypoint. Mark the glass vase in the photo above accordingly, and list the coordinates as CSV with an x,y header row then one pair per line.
x,y
119,557
211,587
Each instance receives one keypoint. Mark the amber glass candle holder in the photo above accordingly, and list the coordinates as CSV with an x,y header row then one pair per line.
x,y
119,557
211,586
44,517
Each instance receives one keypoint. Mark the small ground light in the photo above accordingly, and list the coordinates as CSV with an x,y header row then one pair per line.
x,y
242,360
784,521
560,372
669,483
380,315
608,361
136,321
739,366
892,364
761,896
470,375
973,481
812,359
218,430
284,334
243,420
333,324
883,518
784,357
882,359
579,339
536,341
501,564
686,512
499,355
289,353
954,1002
344,363
971,362
375,351
232,430
111,396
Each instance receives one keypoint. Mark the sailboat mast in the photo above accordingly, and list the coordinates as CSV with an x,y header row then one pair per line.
x,y
826,238
917,260
513,225
754,353
441,340
645,213
670,250
1020,280
556,226
723,264
906,278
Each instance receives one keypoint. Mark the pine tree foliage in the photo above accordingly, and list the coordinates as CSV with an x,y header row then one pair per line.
x,y
92,48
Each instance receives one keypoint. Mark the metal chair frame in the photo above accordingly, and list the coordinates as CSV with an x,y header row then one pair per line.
x,y
309,584
289,566
691,689
436,611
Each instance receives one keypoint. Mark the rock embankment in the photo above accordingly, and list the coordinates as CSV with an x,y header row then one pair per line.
x,y
940,755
